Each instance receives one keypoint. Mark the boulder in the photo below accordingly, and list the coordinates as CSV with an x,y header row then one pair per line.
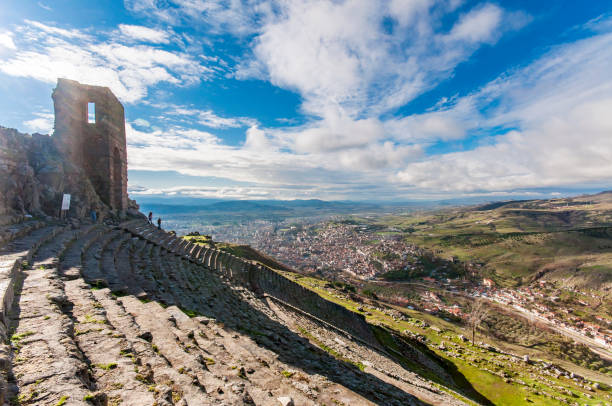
x,y
286,401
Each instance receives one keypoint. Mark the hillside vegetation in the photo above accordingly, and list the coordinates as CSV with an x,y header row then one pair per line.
x,y
491,371
568,240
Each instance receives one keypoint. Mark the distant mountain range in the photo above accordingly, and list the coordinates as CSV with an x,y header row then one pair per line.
x,y
190,205
243,206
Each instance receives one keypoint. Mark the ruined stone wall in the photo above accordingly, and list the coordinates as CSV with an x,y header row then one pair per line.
x,y
262,279
99,148
275,284
86,160
34,175
19,190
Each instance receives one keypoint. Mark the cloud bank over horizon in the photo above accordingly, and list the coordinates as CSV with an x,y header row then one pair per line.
x,y
393,99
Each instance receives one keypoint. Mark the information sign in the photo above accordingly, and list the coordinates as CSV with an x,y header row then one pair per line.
x,y
66,202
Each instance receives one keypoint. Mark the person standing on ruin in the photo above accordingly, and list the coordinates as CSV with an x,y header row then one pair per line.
x,y
94,216
159,223
151,217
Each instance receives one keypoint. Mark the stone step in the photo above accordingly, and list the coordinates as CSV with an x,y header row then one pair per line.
x,y
182,246
15,254
174,244
91,268
72,262
160,277
165,382
146,260
237,364
247,338
154,231
114,362
11,232
134,226
166,240
110,262
160,237
168,280
141,228
378,365
140,261
146,232
48,365
181,359
127,279
137,244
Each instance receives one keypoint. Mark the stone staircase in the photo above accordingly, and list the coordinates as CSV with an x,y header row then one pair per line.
x,y
109,315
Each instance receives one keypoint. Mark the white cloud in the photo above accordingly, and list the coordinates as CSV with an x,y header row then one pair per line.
x,y
171,139
44,6
256,140
47,53
43,123
146,34
353,62
141,122
560,106
207,118
56,31
479,25
335,133
240,17
408,12
444,124
379,156
266,163
6,40
339,55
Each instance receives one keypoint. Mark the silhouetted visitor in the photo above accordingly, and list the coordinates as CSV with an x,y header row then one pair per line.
x,y
159,223
151,217
94,216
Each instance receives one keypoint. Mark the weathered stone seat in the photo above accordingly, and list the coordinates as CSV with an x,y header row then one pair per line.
x,y
129,321
91,269
13,256
14,231
48,358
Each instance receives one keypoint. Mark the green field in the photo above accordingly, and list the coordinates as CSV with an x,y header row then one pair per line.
x,y
496,376
565,240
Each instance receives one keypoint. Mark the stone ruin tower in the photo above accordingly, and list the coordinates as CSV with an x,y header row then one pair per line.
x,y
90,132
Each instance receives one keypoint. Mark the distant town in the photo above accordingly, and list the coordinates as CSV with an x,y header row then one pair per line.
x,y
343,249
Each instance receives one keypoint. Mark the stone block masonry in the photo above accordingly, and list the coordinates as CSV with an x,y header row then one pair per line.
x,y
86,157
264,280
278,286
93,140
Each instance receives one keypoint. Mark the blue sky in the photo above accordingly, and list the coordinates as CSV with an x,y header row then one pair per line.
x,y
354,99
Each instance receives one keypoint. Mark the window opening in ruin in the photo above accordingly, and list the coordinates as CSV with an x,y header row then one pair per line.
x,y
91,113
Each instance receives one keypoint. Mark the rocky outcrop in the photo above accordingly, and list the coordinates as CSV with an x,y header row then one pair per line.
x,y
86,157
19,189
34,176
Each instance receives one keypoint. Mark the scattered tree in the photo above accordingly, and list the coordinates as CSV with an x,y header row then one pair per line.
x,y
476,316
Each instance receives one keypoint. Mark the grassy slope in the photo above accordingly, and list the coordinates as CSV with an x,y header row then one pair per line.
x,y
470,366
517,240
473,362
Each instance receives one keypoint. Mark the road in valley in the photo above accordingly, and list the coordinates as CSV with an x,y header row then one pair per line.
x,y
600,349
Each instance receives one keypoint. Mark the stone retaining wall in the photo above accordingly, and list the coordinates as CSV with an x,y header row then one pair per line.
x,y
264,280
274,284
